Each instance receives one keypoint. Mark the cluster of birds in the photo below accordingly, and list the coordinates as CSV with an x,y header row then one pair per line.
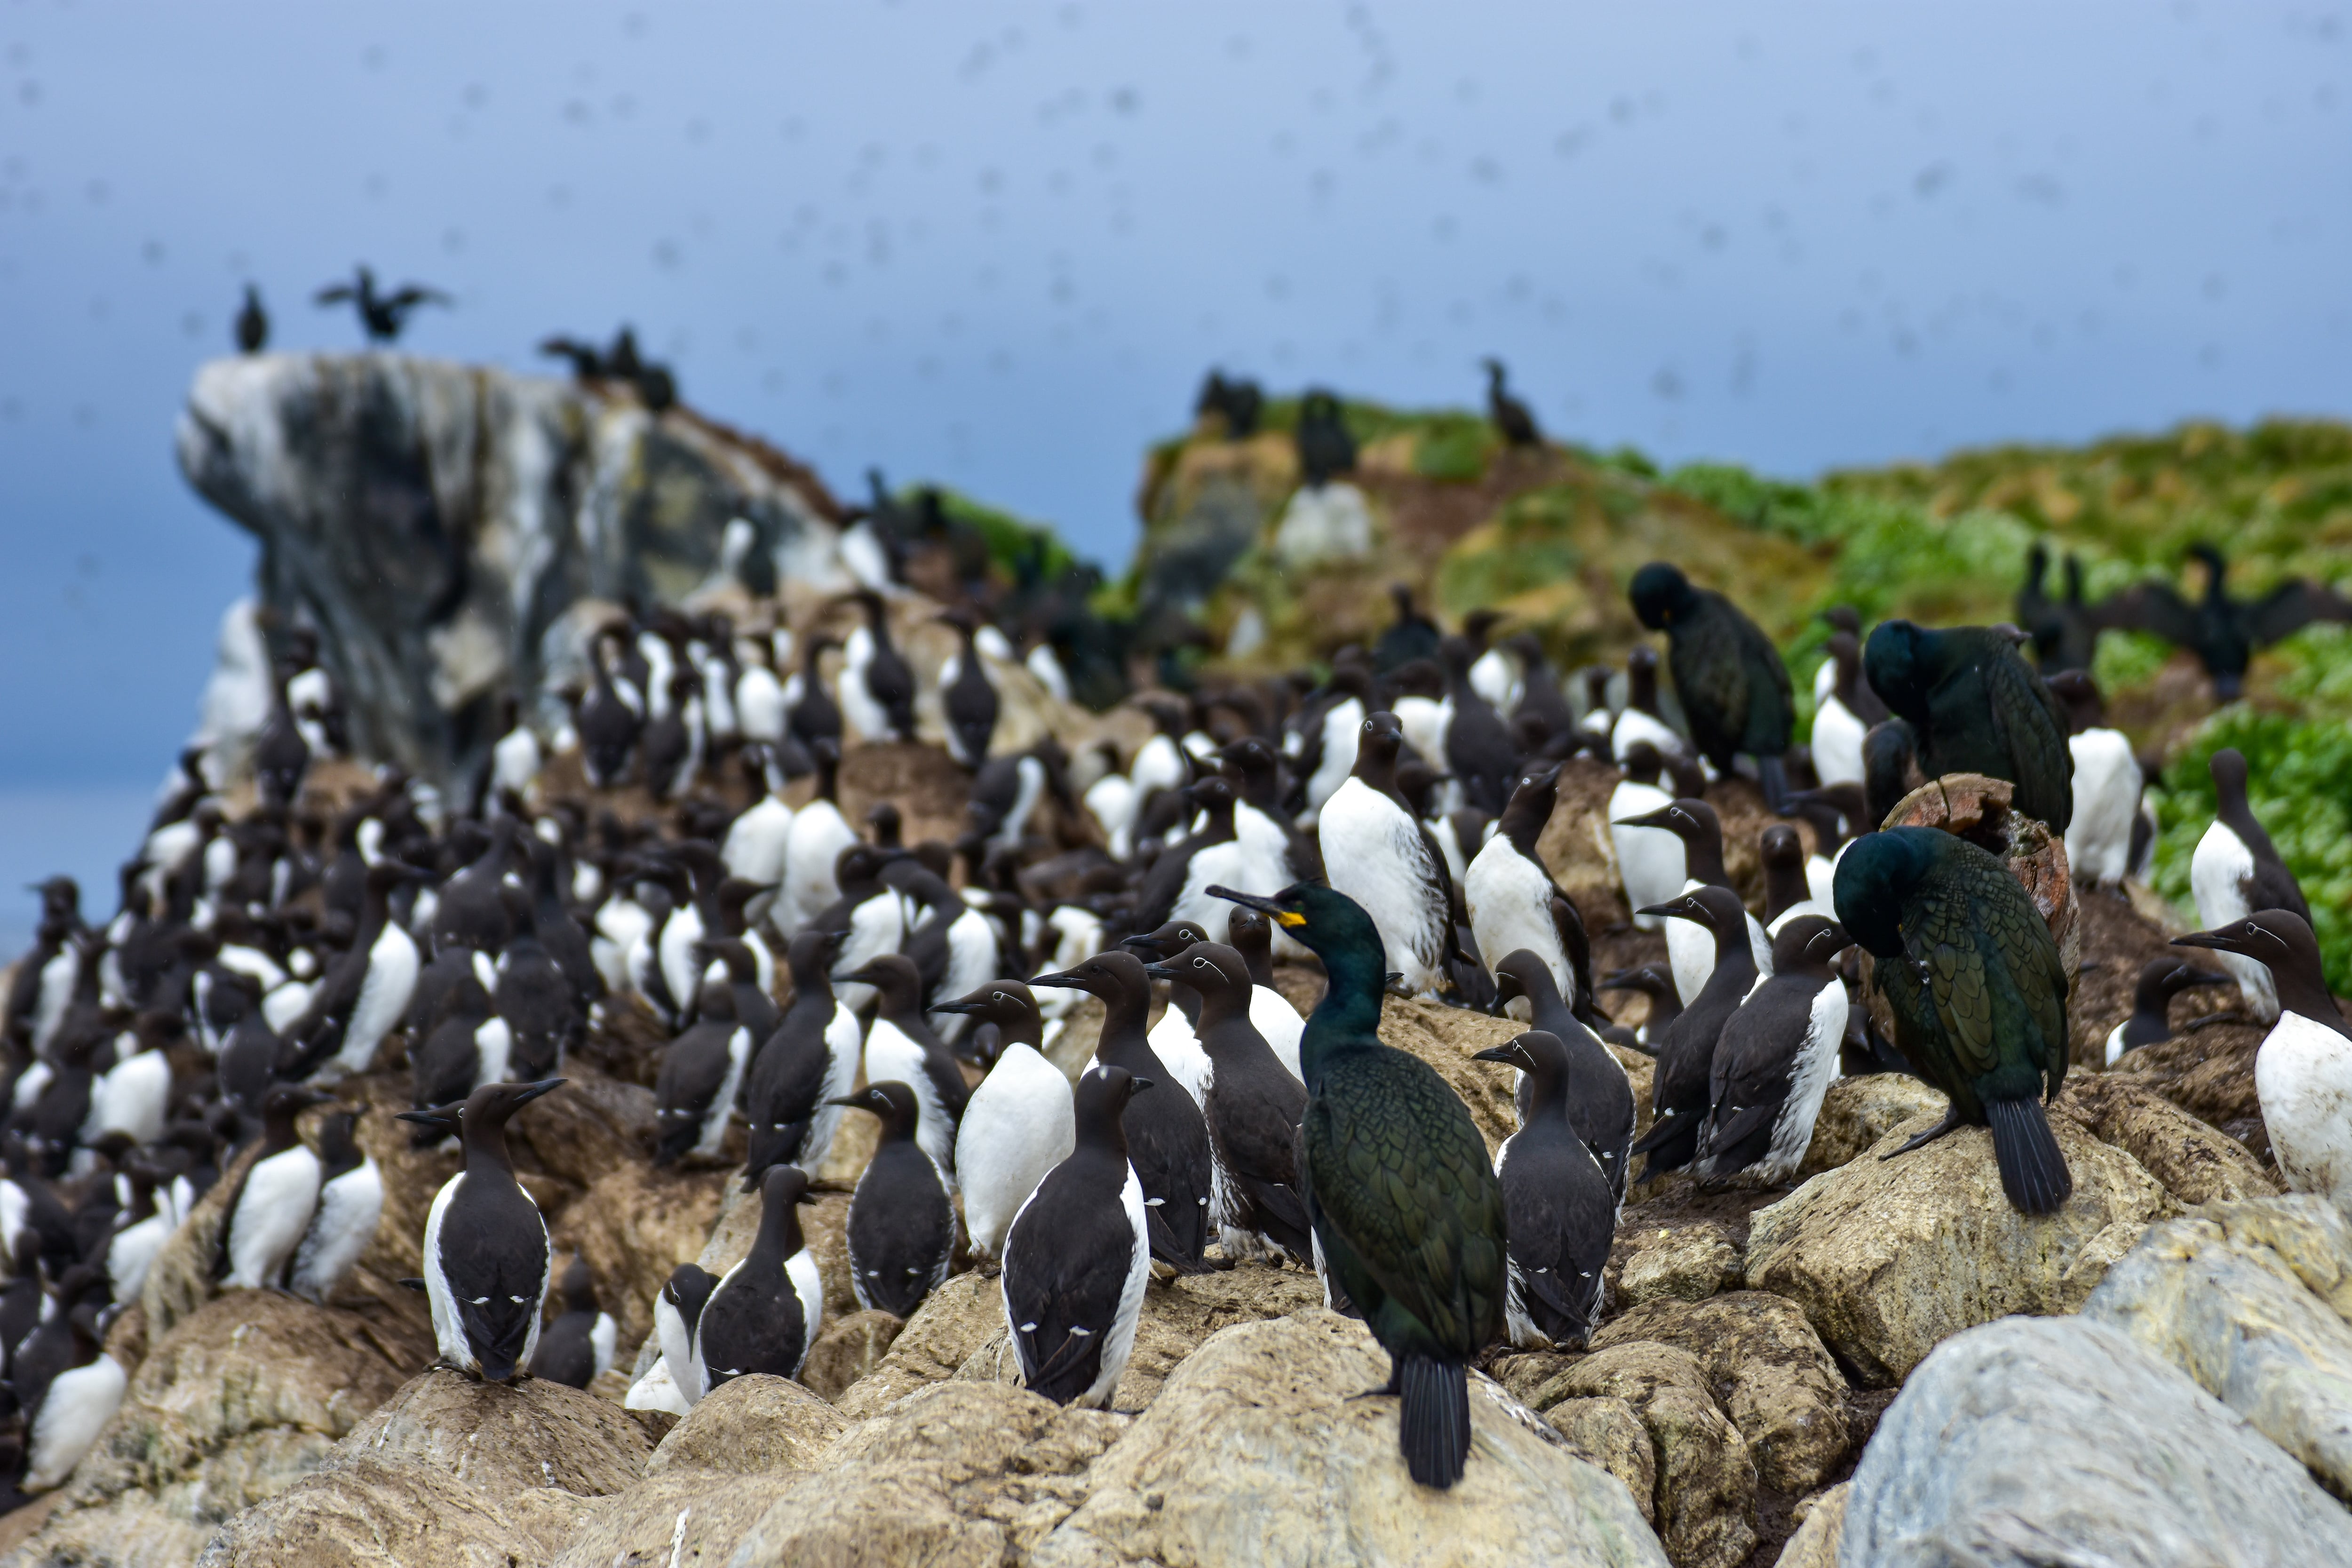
x,y
2223,632
1326,448
1387,817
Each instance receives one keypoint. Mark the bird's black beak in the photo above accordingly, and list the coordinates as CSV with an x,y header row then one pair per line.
x,y
1503,1053
1159,972
958,1008
855,1101
544,1086
1145,944
1137,1085
1661,817
1680,909
2218,941
1064,981
853,977
2202,977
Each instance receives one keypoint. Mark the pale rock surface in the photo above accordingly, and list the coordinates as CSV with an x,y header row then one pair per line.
x,y
1889,1257
1856,1112
752,1426
2038,1441
1820,1533
2195,1162
1254,1453
1688,1263
1787,1396
1704,1499
2212,1298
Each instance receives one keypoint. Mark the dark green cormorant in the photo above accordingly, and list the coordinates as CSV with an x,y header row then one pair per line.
x,y
1326,450
1975,706
1511,417
2065,630
1733,689
1398,1185
252,323
2223,632
1978,990
382,315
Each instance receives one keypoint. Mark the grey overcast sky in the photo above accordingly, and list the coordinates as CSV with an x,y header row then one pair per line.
x,y
997,245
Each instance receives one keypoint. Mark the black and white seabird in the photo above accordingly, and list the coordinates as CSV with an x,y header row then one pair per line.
x,y
766,1312
1650,860
2236,872
701,1072
1774,1060
878,689
1600,1095
967,697
2160,980
468,1046
2107,783
539,1004
1079,1254
754,1008
1843,714
2303,1070
1249,1105
280,1191
1017,1126
1513,902
1690,948
577,1348
1167,1140
1682,1092
1479,750
607,718
677,1308
1560,1206
799,1073
70,1413
813,853
901,1045
1380,854
487,1261
350,1201
901,1230
1657,982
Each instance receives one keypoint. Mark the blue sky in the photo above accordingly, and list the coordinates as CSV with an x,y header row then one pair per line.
x,y
998,245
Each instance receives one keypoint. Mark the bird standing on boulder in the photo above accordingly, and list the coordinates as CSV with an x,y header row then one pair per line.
x,y
2237,872
1978,992
577,1348
1405,1206
2302,1069
1017,1126
1381,856
252,323
1562,1212
350,1201
1513,902
1680,1091
1080,1253
381,315
765,1313
487,1261
1735,690
878,689
2160,980
1974,706
1510,418
1774,1059
901,1229
280,1190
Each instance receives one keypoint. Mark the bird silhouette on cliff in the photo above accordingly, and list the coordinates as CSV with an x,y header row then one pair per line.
x,y
382,315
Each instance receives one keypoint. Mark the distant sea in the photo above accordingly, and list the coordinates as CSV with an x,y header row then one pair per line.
x,y
86,832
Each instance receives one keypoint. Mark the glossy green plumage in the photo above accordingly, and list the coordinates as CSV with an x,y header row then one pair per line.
x,y
1977,708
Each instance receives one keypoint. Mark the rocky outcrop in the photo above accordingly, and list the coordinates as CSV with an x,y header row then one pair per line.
x,y
2247,1298
448,1470
1254,1452
2027,1442
436,521
1889,1258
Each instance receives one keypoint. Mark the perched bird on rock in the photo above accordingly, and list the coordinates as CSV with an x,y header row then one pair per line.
x,y
1562,1212
766,1312
1974,706
1733,689
1017,1126
487,1261
2236,872
1682,1090
2160,980
901,1230
1406,1210
1775,1059
1978,990
577,1348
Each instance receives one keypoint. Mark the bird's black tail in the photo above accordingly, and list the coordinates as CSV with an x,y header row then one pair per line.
x,y
1433,1427
2033,1168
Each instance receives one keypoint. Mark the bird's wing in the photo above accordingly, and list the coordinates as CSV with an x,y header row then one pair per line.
x,y
415,294
1401,1174
1577,946
2290,607
334,294
2032,725
1711,679
2152,606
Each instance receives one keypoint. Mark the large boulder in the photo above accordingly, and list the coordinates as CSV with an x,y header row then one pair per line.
x,y
1704,1496
1888,1258
752,1426
1786,1394
2210,1295
1254,1452
2033,1441
2196,1163
436,521
238,1402
1858,1111
451,1469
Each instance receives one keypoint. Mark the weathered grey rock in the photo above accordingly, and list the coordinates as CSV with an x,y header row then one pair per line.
x,y
1686,1263
1705,1493
1787,1396
1254,1453
1820,1533
2232,1314
2038,1441
684,1517
1610,1434
751,1427
2196,1163
451,1471
1856,1112
1888,1258
964,1472
951,1326
847,1349
237,1403
436,519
